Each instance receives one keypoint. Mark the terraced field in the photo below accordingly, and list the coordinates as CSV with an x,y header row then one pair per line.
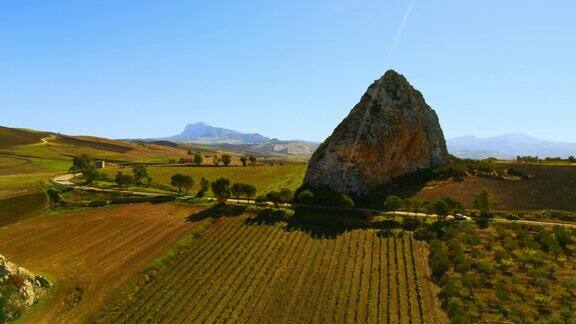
x,y
264,273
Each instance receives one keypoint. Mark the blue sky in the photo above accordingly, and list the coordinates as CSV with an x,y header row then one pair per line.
x,y
283,68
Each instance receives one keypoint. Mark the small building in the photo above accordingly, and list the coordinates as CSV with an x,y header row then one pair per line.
x,y
100,164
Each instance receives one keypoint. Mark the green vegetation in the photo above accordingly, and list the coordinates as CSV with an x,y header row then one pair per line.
x,y
506,273
221,189
248,268
182,181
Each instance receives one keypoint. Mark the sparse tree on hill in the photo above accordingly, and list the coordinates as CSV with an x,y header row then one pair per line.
x,y
140,174
393,204
221,189
216,160
198,158
243,160
123,180
226,159
252,160
178,180
483,201
204,186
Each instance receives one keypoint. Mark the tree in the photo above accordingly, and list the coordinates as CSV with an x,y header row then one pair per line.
x,y
451,204
286,195
248,191
178,181
252,160
187,183
141,173
572,159
236,191
428,209
221,189
441,209
393,203
345,201
483,201
198,158
81,163
226,159
243,160
123,180
306,197
204,186
216,160
275,197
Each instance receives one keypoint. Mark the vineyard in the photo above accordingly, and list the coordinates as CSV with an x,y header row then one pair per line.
x,y
263,273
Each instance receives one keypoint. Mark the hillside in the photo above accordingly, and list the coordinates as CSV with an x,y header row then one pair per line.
x,y
508,147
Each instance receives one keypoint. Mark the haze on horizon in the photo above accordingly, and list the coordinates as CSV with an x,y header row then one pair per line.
x,y
294,69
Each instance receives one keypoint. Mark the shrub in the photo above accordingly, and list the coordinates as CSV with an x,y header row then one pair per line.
x,y
424,234
306,197
54,195
411,223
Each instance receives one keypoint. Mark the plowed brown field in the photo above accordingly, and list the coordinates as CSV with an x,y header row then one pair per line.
x,y
96,250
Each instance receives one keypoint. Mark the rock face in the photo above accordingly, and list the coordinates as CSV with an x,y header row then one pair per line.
x,y
19,289
391,132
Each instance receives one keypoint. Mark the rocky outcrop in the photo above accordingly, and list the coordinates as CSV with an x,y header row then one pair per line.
x,y
391,132
19,289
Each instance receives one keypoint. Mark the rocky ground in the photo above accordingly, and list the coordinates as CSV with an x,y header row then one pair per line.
x,y
19,289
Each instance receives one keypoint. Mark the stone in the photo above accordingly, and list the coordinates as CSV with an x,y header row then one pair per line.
x,y
22,289
390,133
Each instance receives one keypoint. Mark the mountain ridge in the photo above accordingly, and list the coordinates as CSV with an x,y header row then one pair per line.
x,y
508,146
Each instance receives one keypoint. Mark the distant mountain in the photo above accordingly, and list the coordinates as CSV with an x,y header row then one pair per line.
x,y
276,148
508,147
201,133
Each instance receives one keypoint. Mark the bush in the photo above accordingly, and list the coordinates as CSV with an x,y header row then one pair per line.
x,y
306,197
54,195
411,223
424,234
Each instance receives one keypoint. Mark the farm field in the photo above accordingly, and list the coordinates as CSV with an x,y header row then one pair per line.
x,y
552,187
91,253
265,273
264,178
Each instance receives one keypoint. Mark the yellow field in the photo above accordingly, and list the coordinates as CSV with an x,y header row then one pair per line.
x,y
264,178
264,273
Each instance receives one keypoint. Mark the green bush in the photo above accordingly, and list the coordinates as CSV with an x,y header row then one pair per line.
x,y
306,197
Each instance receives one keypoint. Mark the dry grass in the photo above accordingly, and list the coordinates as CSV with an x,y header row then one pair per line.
x,y
552,187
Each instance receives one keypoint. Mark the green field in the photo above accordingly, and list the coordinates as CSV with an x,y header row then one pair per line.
x,y
264,178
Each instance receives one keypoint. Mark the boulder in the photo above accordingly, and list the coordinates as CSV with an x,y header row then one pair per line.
x,y
19,289
390,133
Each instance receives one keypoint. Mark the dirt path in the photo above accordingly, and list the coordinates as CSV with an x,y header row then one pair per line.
x,y
97,250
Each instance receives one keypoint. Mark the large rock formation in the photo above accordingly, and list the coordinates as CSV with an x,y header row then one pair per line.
x,y
19,289
391,132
